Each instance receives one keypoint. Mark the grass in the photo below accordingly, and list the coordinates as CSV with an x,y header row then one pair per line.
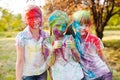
x,y
112,53
8,57
7,34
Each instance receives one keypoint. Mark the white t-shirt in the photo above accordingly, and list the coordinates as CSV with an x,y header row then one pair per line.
x,y
35,63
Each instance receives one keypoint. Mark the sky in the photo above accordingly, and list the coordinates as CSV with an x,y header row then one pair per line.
x,y
16,6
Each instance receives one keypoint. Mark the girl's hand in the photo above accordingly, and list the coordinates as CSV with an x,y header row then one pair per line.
x,y
57,44
70,44
76,55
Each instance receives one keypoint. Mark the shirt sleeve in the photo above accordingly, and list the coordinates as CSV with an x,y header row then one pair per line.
x,y
99,44
20,40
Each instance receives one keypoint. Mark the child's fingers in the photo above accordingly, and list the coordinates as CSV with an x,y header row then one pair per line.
x,y
57,45
70,44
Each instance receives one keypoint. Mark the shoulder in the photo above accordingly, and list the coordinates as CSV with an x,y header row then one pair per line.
x,y
92,36
96,40
22,34
44,34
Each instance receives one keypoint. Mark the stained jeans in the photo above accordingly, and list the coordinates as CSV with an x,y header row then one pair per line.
x,y
107,76
36,77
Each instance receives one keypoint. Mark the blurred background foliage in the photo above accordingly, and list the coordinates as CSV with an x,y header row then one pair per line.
x,y
101,10
105,15
10,22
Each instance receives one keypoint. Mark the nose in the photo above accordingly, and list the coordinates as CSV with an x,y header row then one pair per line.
x,y
82,27
36,20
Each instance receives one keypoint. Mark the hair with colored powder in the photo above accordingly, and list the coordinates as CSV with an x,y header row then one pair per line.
x,y
58,17
30,7
85,20
83,17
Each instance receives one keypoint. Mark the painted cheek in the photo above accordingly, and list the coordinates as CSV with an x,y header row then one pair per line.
x,y
34,19
35,22
39,21
30,19
82,31
56,32
30,23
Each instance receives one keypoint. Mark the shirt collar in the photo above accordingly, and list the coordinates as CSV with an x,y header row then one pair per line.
x,y
29,34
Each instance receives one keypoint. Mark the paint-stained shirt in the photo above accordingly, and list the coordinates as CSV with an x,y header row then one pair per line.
x,y
34,63
93,66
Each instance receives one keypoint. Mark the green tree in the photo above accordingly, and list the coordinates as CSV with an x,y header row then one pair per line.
x,y
115,20
102,12
17,23
6,18
10,22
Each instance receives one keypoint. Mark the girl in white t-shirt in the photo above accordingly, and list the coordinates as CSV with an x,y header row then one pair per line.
x,y
66,65
31,63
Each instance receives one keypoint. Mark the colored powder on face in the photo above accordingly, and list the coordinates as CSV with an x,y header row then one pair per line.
x,y
33,18
57,32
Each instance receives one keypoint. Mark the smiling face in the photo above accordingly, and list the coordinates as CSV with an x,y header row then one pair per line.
x,y
84,29
85,25
57,31
82,17
34,19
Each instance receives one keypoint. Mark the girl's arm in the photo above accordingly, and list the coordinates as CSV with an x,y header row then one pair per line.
x,y
19,62
100,53
50,73
76,55
71,44
48,52
99,47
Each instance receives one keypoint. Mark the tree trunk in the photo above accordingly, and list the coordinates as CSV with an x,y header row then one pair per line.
x,y
99,31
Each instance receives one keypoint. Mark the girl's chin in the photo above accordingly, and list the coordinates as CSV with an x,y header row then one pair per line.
x,y
37,26
57,36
